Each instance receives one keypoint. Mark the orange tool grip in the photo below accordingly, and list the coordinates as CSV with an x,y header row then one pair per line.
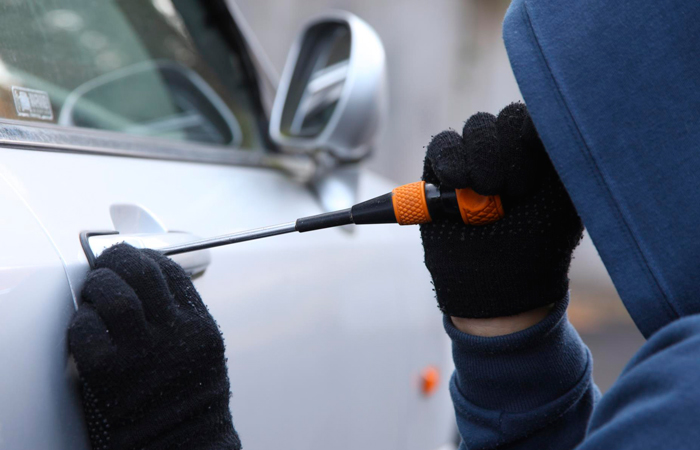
x,y
411,207
477,209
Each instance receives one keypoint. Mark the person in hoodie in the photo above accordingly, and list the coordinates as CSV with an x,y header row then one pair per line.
x,y
613,90
610,136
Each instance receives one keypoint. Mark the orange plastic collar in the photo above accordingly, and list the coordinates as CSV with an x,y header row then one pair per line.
x,y
479,209
410,207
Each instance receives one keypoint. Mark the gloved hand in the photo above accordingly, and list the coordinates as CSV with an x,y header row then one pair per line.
x,y
520,262
150,357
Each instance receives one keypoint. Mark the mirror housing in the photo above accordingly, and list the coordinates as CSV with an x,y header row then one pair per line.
x,y
332,93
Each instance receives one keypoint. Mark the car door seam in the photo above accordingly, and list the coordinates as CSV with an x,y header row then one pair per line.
x,y
48,236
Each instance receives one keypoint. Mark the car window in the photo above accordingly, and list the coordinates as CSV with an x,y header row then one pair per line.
x,y
161,68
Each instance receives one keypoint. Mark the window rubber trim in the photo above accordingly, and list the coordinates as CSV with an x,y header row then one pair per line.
x,y
16,135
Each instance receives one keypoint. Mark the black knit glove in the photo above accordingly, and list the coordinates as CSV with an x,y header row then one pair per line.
x,y
520,262
150,357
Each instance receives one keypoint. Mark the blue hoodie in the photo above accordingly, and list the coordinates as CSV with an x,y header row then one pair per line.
x,y
613,88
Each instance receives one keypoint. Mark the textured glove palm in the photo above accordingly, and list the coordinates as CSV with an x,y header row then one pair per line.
x,y
150,357
520,262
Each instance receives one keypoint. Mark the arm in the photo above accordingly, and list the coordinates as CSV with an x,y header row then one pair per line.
x,y
523,376
529,389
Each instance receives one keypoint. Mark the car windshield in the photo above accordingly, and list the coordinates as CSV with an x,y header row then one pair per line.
x,y
161,68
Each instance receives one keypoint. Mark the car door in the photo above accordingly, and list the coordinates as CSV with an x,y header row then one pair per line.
x,y
114,111
38,393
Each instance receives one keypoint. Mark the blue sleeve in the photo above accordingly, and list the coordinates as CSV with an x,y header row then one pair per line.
x,y
528,390
656,401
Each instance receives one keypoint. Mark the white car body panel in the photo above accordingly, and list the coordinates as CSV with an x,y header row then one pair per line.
x,y
326,332
38,395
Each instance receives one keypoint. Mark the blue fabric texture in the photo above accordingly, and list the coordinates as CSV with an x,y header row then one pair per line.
x,y
534,390
535,384
613,88
654,403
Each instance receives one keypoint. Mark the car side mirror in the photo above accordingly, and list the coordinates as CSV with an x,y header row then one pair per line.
x,y
332,93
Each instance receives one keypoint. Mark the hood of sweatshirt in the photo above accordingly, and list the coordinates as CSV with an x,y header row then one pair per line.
x,y
613,88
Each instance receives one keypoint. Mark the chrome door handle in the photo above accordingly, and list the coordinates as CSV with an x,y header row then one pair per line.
x,y
194,263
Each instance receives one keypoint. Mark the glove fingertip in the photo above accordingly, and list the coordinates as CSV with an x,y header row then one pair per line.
x,y
447,160
99,278
482,154
173,268
87,334
179,281
117,255
520,145
478,122
428,172
528,131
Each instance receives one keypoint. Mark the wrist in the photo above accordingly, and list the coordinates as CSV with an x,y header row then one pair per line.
x,y
521,371
500,326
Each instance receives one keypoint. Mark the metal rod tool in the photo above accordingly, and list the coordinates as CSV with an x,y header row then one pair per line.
x,y
410,204
233,238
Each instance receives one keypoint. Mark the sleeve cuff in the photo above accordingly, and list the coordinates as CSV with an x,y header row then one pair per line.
x,y
522,371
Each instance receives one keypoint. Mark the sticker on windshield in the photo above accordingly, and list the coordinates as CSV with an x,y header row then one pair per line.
x,y
32,103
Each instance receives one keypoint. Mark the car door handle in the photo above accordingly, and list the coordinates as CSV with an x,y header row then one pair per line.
x,y
139,227
194,263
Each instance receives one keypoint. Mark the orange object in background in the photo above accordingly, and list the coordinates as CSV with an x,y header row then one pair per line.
x,y
429,380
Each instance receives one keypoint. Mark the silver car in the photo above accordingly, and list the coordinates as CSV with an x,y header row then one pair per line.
x,y
152,122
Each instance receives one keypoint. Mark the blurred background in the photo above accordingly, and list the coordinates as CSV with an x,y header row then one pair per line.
x,y
446,61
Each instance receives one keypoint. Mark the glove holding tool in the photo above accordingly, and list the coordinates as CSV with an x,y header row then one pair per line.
x,y
520,262
410,204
